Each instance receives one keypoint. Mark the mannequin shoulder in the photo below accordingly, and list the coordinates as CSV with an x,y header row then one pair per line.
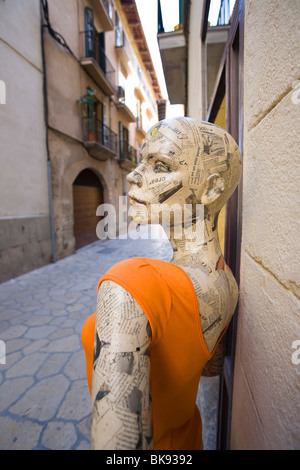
x,y
232,285
119,316
217,282
113,295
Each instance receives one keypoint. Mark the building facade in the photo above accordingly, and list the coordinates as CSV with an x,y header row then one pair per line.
x,y
243,74
81,92
25,234
101,93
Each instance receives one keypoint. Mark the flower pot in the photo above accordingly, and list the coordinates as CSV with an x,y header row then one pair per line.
x,y
91,136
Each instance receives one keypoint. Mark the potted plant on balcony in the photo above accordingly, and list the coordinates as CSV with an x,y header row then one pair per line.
x,y
87,102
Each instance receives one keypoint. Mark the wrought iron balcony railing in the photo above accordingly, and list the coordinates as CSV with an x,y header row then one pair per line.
x,y
96,131
121,94
127,152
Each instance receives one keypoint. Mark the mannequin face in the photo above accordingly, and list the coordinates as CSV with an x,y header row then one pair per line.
x,y
159,182
184,162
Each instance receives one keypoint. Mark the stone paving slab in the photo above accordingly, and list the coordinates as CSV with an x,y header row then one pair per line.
x,y
44,398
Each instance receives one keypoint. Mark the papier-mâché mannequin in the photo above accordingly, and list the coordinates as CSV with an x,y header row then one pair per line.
x,y
185,165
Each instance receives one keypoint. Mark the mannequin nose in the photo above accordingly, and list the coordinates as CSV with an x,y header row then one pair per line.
x,y
134,178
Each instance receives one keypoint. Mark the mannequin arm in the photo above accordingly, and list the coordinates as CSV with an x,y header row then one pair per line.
x,y
121,398
215,365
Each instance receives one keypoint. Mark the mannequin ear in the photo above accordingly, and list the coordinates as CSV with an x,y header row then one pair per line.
x,y
213,188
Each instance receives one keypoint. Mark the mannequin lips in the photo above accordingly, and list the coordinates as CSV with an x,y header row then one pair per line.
x,y
138,211
135,202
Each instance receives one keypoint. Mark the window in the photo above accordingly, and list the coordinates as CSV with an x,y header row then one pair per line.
x,y
101,51
120,35
94,41
94,119
89,32
123,141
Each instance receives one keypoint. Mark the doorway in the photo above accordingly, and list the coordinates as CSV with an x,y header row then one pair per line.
x,y
87,196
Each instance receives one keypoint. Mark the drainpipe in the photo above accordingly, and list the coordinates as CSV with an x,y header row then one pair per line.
x,y
45,94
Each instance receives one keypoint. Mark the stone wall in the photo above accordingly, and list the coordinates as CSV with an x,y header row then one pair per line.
x,y
266,378
25,244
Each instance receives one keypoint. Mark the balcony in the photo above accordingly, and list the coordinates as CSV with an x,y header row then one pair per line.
x,y
173,50
99,140
122,106
95,62
139,127
139,92
104,11
128,156
120,49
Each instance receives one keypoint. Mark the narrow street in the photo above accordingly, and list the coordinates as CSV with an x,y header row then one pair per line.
x,y
44,398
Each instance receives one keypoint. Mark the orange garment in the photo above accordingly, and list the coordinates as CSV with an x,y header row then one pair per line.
x,y
178,352
87,339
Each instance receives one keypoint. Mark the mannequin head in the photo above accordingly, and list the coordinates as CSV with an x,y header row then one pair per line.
x,y
184,161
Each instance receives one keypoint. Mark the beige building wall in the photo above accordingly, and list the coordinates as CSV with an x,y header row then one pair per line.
x,y
195,75
25,241
266,412
24,210
67,83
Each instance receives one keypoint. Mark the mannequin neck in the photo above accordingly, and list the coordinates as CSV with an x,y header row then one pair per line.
x,y
196,245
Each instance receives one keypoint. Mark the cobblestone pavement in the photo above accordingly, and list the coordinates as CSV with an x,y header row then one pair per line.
x,y
44,398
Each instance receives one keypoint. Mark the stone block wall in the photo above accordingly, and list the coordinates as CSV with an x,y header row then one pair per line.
x,y
266,411
25,244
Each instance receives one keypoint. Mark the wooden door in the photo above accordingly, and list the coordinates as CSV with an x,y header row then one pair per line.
x,y
87,196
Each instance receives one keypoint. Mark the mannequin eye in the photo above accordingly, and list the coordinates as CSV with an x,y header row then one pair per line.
x,y
161,167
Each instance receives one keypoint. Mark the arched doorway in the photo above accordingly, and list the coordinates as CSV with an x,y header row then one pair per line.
x,y
87,196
